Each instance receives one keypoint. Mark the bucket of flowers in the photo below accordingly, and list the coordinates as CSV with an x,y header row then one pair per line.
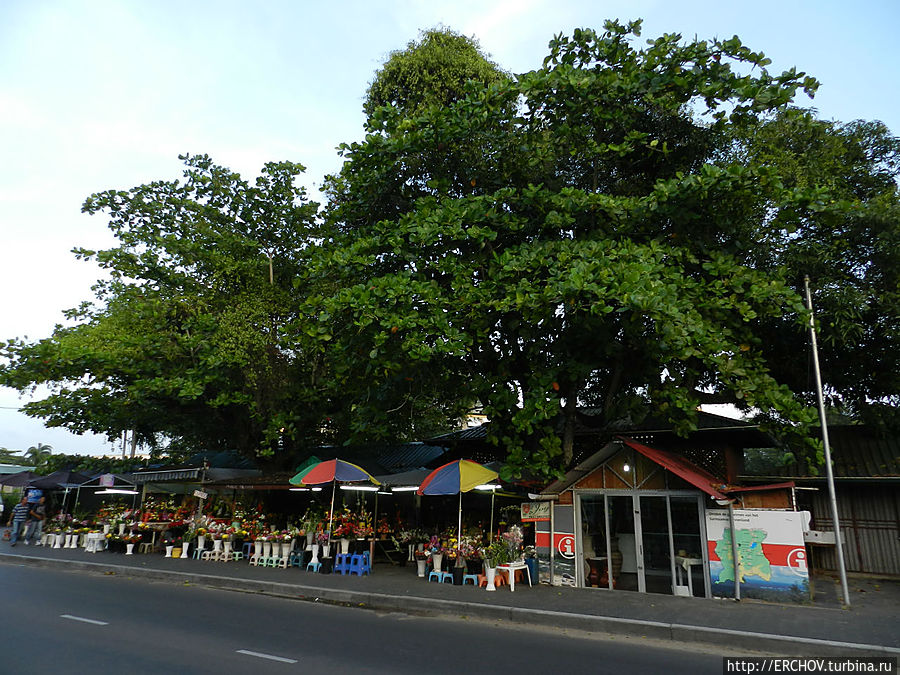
x,y
421,559
470,551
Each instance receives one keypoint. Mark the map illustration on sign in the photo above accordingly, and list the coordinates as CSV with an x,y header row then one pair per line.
x,y
772,562
751,559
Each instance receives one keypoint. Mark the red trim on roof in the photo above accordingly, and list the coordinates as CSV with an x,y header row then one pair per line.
x,y
681,467
760,488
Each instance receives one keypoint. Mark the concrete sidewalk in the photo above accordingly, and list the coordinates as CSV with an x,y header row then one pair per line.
x,y
870,627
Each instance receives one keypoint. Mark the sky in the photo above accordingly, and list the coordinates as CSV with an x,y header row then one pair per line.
x,y
97,95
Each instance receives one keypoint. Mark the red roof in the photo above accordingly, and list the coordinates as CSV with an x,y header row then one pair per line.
x,y
762,488
681,467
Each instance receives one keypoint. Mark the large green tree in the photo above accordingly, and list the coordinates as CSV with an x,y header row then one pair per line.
x,y
184,344
598,231
850,249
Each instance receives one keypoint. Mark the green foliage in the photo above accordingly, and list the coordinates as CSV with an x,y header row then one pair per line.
x,y
576,235
624,228
497,553
89,464
13,457
185,343
849,245
433,71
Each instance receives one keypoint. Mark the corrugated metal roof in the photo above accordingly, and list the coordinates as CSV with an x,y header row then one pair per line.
x,y
271,481
141,477
857,453
408,456
589,422
384,458
14,468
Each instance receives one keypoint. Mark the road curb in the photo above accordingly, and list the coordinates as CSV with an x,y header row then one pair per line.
x,y
681,633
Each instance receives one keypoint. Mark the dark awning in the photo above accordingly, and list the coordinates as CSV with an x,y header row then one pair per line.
x,y
166,475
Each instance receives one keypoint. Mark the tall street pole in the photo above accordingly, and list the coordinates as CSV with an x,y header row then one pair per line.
x,y
828,471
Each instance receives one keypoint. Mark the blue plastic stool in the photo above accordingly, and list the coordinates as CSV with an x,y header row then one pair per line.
x,y
342,563
296,558
359,564
472,577
446,576
435,575
247,549
314,565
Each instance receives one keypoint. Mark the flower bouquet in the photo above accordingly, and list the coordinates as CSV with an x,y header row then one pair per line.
x,y
513,538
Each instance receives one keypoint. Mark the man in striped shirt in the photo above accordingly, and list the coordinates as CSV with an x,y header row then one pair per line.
x,y
17,519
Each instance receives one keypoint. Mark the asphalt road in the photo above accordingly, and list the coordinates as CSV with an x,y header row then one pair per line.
x,y
57,621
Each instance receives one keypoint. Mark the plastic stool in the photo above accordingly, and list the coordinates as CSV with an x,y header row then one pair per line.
x,y
359,564
499,580
471,577
247,549
446,576
314,566
341,563
436,575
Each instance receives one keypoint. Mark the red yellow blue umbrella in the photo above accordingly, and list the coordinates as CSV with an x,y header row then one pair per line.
x,y
455,477
332,471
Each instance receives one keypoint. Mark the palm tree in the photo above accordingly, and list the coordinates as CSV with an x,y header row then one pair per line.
x,y
38,452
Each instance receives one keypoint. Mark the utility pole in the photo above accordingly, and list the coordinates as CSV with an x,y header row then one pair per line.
x,y
828,471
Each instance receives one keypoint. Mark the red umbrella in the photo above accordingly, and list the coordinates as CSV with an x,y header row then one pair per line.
x,y
332,471
455,477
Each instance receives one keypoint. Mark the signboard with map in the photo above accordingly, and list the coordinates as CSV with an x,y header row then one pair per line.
x,y
772,555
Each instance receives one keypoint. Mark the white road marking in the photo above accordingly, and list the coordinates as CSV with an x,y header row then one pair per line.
x,y
81,618
266,656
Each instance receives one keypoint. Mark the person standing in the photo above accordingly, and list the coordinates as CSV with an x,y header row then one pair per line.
x,y
36,515
17,519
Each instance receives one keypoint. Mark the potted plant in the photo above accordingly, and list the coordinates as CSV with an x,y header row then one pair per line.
x,y
437,553
497,553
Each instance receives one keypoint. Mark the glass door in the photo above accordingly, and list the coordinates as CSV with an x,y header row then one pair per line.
x,y
594,542
635,541
654,555
622,550
688,543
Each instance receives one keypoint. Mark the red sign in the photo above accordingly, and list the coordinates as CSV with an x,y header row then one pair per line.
x,y
562,541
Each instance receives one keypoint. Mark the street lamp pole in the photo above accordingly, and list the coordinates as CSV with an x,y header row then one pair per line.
x,y
828,470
